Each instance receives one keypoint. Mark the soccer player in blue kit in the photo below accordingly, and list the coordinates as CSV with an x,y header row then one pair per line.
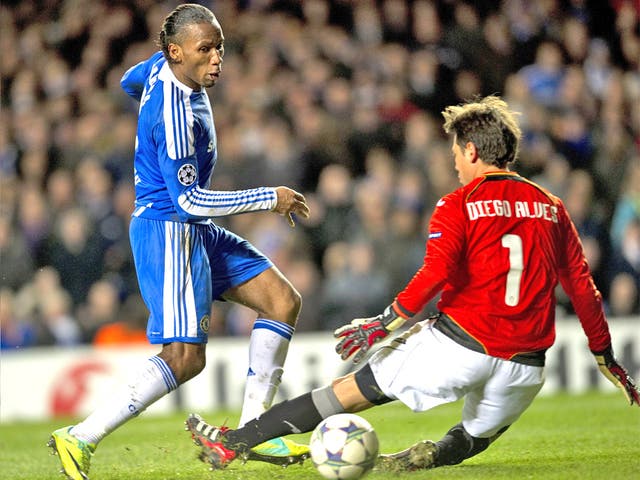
x,y
183,260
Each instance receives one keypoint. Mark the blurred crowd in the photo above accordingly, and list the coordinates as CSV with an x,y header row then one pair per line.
x,y
339,99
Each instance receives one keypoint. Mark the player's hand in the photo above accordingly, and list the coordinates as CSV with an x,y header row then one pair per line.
x,y
291,203
357,337
617,375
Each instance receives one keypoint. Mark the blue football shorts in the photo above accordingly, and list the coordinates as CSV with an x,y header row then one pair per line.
x,y
182,268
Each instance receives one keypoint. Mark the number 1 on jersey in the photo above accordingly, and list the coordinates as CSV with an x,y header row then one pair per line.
x,y
512,292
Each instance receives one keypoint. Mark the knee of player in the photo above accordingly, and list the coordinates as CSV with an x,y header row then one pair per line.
x,y
199,359
287,306
187,365
199,364
294,301
358,390
190,370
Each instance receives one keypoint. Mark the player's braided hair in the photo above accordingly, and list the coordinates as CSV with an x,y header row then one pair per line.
x,y
489,125
175,23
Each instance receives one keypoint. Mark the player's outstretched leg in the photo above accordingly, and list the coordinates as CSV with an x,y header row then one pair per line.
x,y
211,441
219,454
75,454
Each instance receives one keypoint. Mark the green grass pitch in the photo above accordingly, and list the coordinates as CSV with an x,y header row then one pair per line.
x,y
591,436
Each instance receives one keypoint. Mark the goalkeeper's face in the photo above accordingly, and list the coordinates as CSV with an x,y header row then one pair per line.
x,y
198,55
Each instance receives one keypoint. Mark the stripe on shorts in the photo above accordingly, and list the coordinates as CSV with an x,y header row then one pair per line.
x,y
179,309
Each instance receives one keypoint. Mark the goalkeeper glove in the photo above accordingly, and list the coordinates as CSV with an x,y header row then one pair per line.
x,y
357,337
617,375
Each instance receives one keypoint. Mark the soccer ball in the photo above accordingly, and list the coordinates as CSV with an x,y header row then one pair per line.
x,y
344,447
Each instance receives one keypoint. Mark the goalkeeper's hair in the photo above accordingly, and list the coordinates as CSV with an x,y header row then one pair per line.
x,y
175,23
490,125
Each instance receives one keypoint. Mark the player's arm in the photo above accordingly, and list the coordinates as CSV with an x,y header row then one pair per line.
x,y
194,202
133,80
199,202
617,374
356,338
443,248
576,280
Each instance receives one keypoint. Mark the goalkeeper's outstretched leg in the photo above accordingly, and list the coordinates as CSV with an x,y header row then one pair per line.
x,y
457,445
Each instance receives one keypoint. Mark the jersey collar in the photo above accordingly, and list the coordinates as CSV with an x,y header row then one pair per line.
x,y
500,173
166,74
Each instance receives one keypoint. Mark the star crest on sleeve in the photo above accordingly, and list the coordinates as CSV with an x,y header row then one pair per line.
x,y
187,174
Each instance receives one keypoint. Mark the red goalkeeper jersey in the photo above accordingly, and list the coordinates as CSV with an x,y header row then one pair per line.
x,y
497,248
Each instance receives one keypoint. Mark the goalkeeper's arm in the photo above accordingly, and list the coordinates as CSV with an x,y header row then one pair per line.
x,y
617,375
357,337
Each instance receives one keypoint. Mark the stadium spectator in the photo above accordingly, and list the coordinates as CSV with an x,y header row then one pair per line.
x,y
575,39
128,329
626,258
437,173
587,215
334,303
74,246
17,263
497,60
404,245
419,134
614,150
555,175
544,76
60,190
46,306
465,36
354,274
14,332
332,209
627,207
624,295
101,307
571,137
33,221
56,315
118,262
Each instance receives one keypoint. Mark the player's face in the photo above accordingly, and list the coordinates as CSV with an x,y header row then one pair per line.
x,y
199,55
463,164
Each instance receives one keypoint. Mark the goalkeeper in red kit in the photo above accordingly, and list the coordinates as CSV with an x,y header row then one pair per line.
x,y
497,247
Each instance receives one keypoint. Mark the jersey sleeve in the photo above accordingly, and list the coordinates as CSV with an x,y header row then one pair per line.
x,y
576,280
133,80
202,203
444,246
181,176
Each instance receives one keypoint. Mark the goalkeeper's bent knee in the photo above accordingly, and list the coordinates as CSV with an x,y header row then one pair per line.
x,y
369,387
458,445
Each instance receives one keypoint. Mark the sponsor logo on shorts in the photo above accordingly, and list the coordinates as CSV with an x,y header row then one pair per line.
x,y
435,235
204,324
187,174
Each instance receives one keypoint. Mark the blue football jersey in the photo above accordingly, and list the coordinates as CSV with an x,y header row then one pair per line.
x,y
175,151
